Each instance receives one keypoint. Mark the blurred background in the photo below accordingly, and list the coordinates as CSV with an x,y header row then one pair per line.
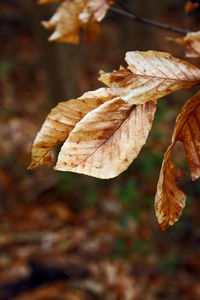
x,y
69,236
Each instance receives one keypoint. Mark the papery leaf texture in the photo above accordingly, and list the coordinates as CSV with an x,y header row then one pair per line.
x,y
60,122
75,15
191,42
170,200
105,142
103,134
150,75
104,130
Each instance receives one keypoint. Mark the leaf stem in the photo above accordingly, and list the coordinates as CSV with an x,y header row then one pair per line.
x,y
156,24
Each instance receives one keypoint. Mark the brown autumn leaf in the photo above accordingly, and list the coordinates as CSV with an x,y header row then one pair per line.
x,y
150,76
61,121
95,9
73,16
105,142
190,6
65,22
48,1
170,200
191,42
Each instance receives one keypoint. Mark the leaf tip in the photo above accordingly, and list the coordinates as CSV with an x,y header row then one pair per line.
x,y
31,166
101,72
54,37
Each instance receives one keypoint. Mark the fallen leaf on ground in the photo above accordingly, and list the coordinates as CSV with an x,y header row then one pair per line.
x,y
170,200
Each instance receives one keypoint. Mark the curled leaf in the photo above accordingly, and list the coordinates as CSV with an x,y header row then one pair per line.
x,y
105,142
66,22
95,10
170,200
150,76
60,122
190,6
192,43
75,15
103,131
103,134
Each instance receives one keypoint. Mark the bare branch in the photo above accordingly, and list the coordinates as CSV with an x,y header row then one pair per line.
x,y
126,13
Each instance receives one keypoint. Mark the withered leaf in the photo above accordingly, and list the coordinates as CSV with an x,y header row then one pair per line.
x,y
65,21
190,6
191,42
170,200
103,131
95,10
61,121
150,76
105,142
48,1
74,15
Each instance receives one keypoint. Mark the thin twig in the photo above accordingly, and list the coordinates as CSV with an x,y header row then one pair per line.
x,y
147,21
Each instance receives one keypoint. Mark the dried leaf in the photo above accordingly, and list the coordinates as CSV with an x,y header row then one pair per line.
x,y
61,121
105,142
170,200
95,9
72,16
192,43
48,1
66,22
190,6
151,75
91,31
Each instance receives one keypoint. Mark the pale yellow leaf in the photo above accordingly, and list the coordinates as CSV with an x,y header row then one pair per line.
x,y
150,76
61,121
105,142
170,200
